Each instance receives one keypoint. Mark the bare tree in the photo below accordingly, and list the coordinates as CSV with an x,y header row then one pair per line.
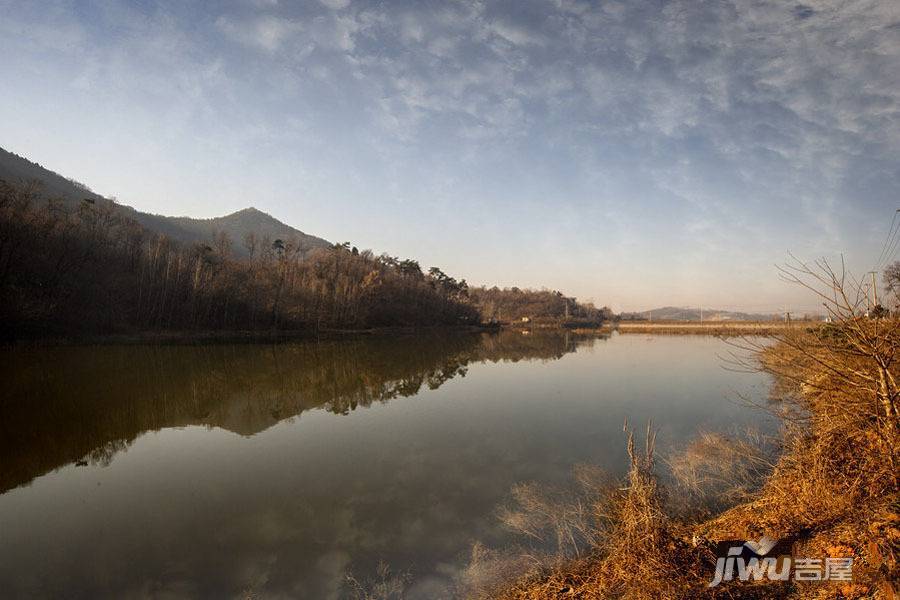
x,y
842,372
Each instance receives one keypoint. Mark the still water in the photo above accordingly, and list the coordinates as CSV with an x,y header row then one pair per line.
x,y
272,471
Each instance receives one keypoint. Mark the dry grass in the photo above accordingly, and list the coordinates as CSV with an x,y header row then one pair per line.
x,y
386,585
718,328
715,471
637,552
490,572
834,489
559,523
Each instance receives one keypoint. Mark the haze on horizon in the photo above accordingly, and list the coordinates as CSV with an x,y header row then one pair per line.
x,y
632,153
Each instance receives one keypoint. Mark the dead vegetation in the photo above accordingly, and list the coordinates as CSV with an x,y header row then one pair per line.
x,y
718,328
715,471
386,585
833,491
566,523
638,550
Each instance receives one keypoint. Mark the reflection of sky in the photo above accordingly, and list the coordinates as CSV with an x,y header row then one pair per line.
x,y
638,152
204,512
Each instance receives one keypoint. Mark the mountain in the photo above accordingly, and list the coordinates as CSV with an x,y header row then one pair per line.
x,y
16,169
680,313
236,226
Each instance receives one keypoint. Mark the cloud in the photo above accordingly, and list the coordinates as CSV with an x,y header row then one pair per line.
x,y
266,32
336,4
729,111
515,34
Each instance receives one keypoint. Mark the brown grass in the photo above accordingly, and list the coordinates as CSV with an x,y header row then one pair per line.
x,y
637,554
718,328
562,523
834,489
386,585
715,471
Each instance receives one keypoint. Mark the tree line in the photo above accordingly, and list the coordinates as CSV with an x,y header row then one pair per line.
x,y
78,268
515,304
90,269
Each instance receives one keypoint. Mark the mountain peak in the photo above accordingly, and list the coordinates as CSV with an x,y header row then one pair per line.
x,y
183,229
250,210
249,214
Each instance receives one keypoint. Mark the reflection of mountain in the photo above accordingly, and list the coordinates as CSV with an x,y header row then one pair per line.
x,y
64,404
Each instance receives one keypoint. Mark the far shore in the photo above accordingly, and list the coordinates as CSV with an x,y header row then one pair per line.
x,y
723,328
715,328
235,337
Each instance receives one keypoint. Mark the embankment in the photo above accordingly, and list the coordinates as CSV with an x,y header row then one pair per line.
x,y
720,328
831,494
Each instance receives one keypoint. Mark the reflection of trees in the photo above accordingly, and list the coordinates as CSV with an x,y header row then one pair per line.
x,y
67,404
514,346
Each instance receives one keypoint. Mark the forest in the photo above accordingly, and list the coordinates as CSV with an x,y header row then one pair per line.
x,y
537,306
87,268
92,270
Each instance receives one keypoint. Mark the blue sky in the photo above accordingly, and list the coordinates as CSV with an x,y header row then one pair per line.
x,y
634,153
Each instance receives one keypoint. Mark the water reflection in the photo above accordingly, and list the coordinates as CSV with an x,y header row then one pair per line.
x,y
74,404
235,471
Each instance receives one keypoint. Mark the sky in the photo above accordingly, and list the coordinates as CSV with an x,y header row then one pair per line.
x,y
635,154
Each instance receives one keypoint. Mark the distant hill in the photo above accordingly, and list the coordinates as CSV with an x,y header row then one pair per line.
x,y
16,169
680,313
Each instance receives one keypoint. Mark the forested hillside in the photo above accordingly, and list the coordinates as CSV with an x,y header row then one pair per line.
x,y
75,263
515,304
90,269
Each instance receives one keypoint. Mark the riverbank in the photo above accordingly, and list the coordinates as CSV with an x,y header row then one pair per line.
x,y
238,337
719,328
832,495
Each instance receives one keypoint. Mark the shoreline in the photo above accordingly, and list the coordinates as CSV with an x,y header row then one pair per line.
x,y
719,328
177,338
830,490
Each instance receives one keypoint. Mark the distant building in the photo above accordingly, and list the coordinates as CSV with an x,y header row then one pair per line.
x,y
526,319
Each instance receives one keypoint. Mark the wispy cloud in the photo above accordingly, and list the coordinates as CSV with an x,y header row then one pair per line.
x,y
729,123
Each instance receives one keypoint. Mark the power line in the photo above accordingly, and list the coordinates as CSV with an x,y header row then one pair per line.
x,y
892,250
884,246
890,242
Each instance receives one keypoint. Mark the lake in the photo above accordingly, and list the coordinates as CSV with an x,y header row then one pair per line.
x,y
265,471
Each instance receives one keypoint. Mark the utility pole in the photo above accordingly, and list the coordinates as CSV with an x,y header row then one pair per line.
x,y
874,289
701,313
